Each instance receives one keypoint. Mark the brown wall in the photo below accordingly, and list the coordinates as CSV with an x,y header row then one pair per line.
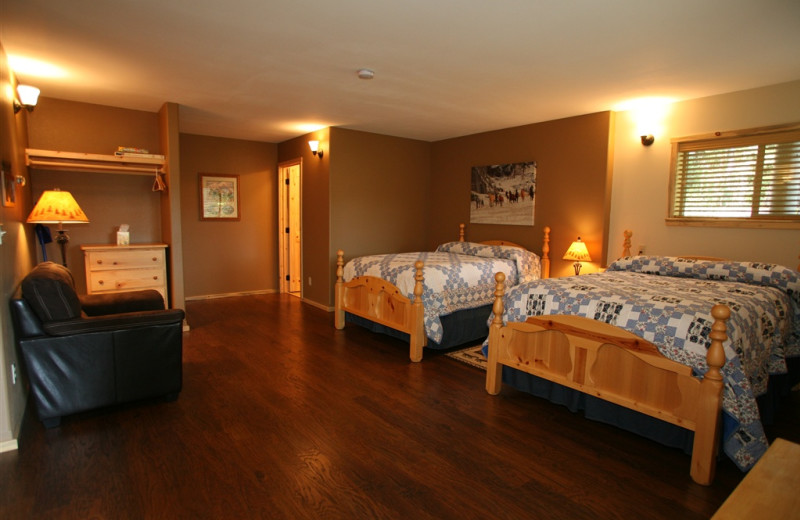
x,y
16,256
107,199
573,156
228,257
379,195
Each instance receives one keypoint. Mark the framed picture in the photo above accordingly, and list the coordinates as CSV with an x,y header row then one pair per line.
x,y
9,188
219,197
503,194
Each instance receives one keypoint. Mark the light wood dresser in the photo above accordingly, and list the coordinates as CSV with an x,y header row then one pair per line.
x,y
111,268
769,490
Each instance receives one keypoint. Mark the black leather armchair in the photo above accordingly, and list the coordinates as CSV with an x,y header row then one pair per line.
x,y
92,351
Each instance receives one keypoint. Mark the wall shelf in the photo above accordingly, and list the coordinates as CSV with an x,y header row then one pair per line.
x,y
89,162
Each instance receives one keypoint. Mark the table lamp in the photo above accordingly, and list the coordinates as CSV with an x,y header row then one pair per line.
x,y
58,207
577,251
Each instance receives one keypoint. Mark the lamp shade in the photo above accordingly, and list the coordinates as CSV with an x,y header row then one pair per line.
x,y
577,251
56,207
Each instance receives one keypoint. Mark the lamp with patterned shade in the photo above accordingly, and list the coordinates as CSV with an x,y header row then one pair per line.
x,y
577,251
58,207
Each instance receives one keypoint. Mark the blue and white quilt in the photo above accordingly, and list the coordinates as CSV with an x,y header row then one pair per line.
x,y
668,300
457,276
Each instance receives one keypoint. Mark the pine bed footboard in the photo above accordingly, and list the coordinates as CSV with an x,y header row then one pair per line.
x,y
615,365
382,302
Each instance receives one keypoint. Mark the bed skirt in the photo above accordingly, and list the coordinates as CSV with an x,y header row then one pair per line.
x,y
467,326
641,424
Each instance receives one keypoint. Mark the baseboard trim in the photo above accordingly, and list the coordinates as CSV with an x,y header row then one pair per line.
x,y
11,445
317,305
229,295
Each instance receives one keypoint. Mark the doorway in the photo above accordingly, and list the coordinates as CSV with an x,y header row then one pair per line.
x,y
290,231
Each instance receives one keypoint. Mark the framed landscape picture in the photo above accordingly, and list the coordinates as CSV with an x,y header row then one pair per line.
x,y
219,197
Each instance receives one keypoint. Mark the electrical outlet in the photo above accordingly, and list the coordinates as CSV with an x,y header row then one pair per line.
x,y
13,374
641,250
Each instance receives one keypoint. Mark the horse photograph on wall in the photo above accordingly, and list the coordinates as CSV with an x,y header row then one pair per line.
x,y
503,194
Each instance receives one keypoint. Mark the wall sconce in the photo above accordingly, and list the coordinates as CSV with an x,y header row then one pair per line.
x,y
577,251
315,149
28,97
57,207
648,139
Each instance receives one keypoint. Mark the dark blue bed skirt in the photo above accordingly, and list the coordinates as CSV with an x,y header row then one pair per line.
x,y
467,326
642,424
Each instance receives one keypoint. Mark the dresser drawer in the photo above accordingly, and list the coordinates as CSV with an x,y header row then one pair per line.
x,y
125,280
132,258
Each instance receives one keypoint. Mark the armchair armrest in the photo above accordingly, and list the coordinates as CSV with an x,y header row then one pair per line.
x,y
124,302
114,322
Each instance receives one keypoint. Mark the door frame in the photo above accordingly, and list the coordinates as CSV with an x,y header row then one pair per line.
x,y
283,222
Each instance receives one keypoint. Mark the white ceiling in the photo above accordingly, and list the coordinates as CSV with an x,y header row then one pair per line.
x,y
260,69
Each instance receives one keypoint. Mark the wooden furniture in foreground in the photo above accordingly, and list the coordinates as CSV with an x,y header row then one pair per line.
x,y
380,301
111,268
769,489
615,365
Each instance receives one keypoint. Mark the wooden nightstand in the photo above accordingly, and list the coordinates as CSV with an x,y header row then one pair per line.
x,y
111,268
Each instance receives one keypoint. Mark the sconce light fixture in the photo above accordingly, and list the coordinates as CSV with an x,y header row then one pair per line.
x,y
315,149
577,251
648,139
28,97
58,207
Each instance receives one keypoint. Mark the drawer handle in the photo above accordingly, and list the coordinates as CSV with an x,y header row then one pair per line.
x,y
114,263
155,259
155,277
100,282
99,262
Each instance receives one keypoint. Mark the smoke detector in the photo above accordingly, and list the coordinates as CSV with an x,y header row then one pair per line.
x,y
366,73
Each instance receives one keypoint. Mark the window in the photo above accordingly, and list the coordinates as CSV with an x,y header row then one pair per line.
x,y
747,178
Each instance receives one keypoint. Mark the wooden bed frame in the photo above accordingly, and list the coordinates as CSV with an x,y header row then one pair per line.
x,y
380,301
615,365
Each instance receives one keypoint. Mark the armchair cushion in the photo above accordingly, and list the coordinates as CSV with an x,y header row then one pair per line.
x,y
118,303
50,291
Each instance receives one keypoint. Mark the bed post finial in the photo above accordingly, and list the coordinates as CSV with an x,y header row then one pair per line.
x,y
546,253
338,315
461,232
494,370
706,435
418,338
626,243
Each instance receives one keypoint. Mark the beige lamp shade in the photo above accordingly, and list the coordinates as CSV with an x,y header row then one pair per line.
x,y
56,207
578,252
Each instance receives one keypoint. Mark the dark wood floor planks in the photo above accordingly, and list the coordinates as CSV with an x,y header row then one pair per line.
x,y
282,416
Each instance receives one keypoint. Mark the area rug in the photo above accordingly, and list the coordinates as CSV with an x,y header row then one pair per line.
x,y
471,355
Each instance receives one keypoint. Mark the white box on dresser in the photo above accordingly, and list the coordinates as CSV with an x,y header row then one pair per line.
x,y
111,268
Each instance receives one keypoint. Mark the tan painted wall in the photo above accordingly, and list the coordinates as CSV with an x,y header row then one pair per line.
x,y
572,186
228,257
641,178
16,257
107,199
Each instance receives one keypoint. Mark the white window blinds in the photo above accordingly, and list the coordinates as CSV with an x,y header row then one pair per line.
x,y
743,176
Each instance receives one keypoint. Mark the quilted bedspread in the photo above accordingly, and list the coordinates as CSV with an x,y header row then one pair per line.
x,y
458,275
668,300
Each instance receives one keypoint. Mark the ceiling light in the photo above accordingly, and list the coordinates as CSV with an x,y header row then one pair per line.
x,y
366,73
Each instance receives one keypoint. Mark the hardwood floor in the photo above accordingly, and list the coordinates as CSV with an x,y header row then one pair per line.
x,y
282,416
